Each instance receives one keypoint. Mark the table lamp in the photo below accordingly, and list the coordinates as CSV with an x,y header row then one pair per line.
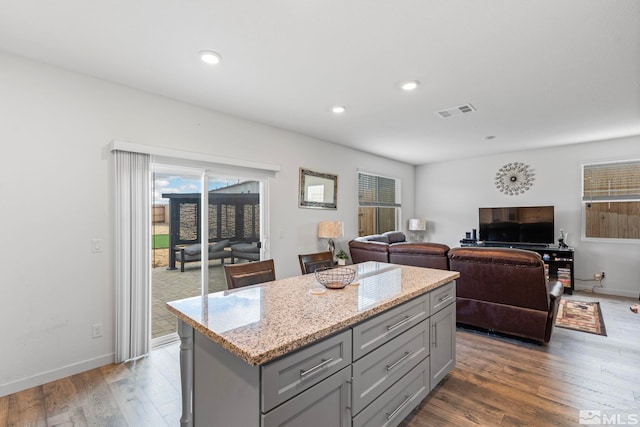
x,y
417,228
330,230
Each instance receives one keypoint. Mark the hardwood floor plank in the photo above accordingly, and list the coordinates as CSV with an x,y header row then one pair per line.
x,y
520,403
73,418
60,397
96,399
137,409
4,410
115,372
460,398
27,408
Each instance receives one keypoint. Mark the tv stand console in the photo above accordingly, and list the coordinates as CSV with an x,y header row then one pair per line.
x,y
559,261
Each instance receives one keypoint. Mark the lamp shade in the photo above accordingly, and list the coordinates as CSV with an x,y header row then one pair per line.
x,y
330,229
417,224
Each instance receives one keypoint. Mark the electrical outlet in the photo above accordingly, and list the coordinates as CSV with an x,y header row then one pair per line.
x,y
96,331
597,276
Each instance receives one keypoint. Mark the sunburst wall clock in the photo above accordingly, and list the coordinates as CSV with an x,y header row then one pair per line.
x,y
514,178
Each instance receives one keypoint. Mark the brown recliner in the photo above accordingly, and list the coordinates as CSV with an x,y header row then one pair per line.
x,y
392,247
430,255
505,290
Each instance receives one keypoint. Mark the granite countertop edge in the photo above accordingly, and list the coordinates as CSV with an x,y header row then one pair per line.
x,y
261,358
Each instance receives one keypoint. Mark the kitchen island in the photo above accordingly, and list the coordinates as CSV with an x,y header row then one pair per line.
x,y
292,352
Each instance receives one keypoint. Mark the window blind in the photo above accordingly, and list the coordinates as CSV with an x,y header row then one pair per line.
x,y
374,190
611,181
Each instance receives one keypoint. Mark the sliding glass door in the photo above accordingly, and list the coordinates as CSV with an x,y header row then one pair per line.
x,y
195,235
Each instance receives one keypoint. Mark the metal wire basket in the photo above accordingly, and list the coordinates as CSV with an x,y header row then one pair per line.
x,y
335,278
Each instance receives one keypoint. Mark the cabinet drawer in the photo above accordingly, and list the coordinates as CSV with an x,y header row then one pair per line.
x,y
378,370
374,332
442,296
286,377
398,401
325,404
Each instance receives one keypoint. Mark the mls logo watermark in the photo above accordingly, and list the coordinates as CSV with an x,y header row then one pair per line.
x,y
602,418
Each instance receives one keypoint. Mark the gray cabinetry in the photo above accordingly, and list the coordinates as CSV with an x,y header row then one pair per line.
x,y
325,404
398,401
378,370
443,342
442,297
292,374
374,332
401,355
373,373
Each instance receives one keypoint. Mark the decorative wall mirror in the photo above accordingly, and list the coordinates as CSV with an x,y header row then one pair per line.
x,y
318,190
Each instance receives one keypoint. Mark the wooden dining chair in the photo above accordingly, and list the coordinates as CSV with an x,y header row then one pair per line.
x,y
309,263
249,273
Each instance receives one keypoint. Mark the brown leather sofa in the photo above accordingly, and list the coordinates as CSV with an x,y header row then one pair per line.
x,y
392,247
505,290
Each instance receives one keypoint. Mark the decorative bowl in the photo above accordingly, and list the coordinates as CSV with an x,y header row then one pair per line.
x,y
335,278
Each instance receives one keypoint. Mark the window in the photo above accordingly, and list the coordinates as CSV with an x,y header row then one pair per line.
x,y
611,199
378,204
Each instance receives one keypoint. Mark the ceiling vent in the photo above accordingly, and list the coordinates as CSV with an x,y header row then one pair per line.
x,y
456,111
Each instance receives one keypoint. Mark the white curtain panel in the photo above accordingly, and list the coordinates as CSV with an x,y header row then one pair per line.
x,y
132,243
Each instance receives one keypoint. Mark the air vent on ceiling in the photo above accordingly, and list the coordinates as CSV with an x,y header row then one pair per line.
x,y
456,111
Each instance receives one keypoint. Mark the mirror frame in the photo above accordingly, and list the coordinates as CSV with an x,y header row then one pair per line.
x,y
302,193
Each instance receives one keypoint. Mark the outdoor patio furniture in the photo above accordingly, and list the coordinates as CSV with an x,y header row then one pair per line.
x,y
193,253
246,251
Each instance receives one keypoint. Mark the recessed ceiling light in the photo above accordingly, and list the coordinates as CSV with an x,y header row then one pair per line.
x,y
338,109
409,85
210,57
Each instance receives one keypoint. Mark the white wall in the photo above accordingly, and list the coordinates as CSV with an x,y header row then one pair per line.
x,y
55,183
448,195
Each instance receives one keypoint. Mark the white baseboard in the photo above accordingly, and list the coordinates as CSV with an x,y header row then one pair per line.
x,y
608,291
56,374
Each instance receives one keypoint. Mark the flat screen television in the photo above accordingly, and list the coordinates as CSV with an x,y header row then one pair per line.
x,y
522,224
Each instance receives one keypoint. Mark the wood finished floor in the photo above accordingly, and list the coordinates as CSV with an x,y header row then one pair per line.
x,y
497,382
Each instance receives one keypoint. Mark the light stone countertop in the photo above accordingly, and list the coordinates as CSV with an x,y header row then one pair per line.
x,y
262,322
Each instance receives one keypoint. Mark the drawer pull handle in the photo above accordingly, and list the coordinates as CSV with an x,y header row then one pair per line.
x,y
444,298
315,368
402,322
404,403
399,361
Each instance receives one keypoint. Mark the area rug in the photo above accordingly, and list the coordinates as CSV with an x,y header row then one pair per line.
x,y
581,316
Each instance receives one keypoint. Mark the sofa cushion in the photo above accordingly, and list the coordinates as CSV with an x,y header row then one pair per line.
x,y
373,238
245,247
395,237
194,249
218,246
